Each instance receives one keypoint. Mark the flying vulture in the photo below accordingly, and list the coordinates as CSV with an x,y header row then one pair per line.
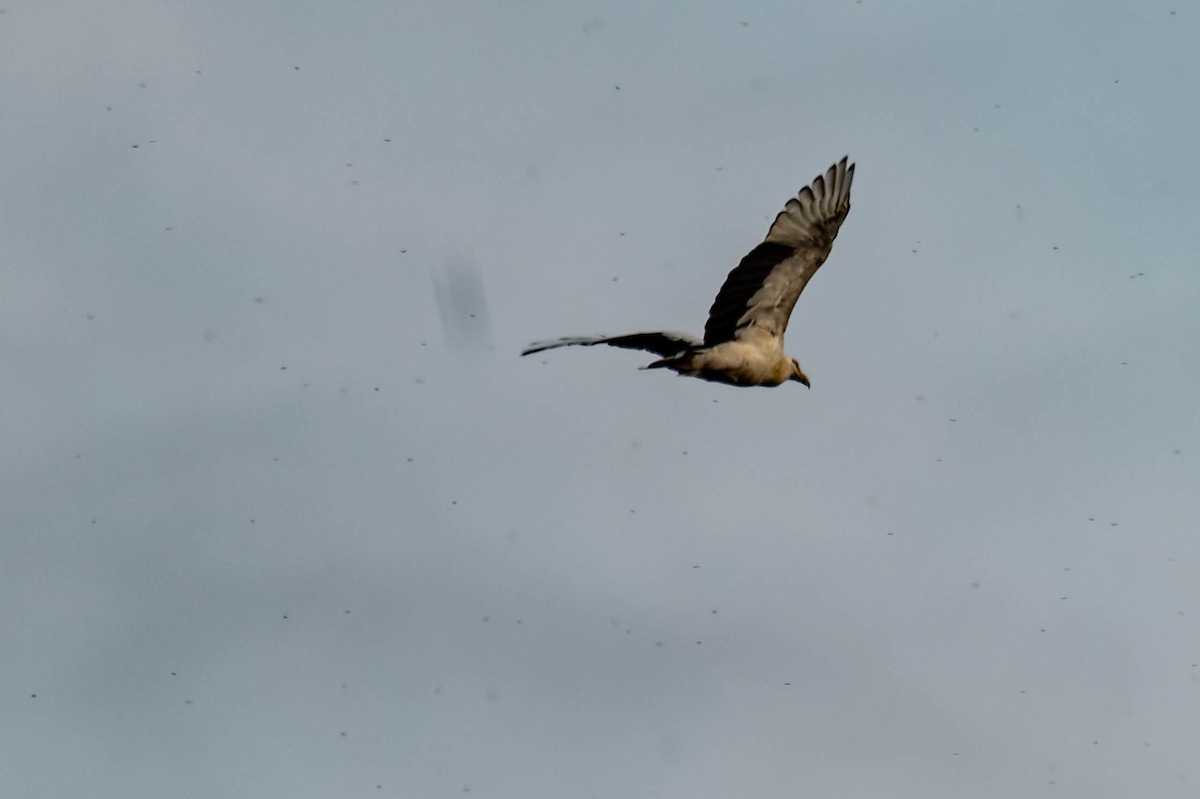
x,y
743,338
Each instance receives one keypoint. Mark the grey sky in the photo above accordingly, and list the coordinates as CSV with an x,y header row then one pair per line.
x,y
280,517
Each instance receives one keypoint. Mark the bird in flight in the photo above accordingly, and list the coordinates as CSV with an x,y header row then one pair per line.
x,y
743,338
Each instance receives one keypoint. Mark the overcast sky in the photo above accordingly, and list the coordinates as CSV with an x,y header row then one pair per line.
x,y
284,514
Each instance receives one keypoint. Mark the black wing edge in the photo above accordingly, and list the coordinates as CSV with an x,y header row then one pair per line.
x,y
660,343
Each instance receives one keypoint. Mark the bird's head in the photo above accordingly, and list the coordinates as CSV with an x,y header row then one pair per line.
x,y
798,374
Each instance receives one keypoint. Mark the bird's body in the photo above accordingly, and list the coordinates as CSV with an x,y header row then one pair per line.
x,y
743,338
738,363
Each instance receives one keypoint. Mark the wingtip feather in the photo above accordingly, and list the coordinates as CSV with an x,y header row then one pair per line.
x,y
566,341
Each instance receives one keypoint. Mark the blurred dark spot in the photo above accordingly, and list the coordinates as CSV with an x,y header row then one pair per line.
x,y
463,307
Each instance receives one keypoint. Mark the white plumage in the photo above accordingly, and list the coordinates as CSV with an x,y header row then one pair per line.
x,y
743,338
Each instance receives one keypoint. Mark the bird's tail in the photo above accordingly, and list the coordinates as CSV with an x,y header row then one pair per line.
x,y
681,362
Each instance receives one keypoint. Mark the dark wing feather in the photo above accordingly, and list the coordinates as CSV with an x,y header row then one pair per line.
x,y
761,292
661,343
725,315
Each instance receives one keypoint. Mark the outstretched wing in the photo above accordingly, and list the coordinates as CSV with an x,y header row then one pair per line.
x,y
758,296
661,343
